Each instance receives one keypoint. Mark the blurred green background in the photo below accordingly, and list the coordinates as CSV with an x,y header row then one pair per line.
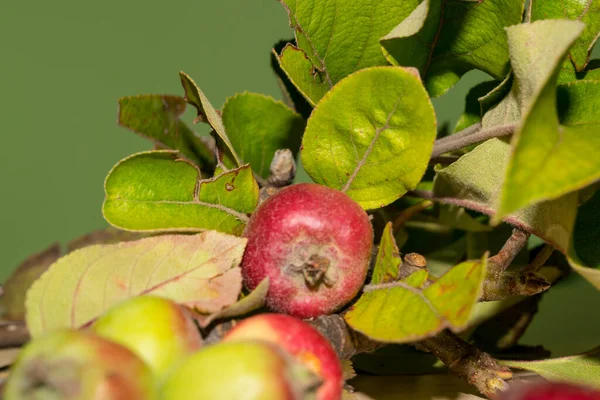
x,y
64,65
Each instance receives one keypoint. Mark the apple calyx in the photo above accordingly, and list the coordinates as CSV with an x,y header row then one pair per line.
x,y
316,270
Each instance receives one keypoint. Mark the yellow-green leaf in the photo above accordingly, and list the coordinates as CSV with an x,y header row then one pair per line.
x,y
200,271
206,112
581,368
550,157
335,39
400,312
445,39
159,191
258,126
371,143
388,259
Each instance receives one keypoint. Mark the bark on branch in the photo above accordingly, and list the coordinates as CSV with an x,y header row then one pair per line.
x,y
467,361
501,283
469,136
13,334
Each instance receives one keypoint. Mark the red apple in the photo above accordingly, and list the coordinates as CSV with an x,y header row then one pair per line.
x,y
550,391
302,341
245,370
78,365
314,243
158,330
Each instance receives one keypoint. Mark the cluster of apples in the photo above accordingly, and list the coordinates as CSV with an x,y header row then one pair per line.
x,y
313,243
149,348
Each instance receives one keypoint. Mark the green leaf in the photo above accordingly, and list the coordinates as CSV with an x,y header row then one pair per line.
x,y
303,75
388,259
200,271
568,73
501,105
584,254
12,301
258,125
253,301
206,112
156,117
585,11
292,97
372,144
581,368
534,66
399,312
337,39
549,159
445,39
474,180
159,191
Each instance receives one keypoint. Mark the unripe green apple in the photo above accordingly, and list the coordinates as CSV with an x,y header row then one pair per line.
x,y
244,370
158,330
302,341
78,365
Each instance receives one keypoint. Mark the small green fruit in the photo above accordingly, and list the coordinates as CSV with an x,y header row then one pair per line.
x,y
158,330
245,370
77,365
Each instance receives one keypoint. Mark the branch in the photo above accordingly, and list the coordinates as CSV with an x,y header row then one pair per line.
x,y
413,262
513,283
468,362
460,134
515,243
444,160
283,172
469,136
13,334
282,168
500,283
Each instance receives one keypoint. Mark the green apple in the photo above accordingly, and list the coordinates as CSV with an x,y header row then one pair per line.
x,y
77,365
158,330
244,370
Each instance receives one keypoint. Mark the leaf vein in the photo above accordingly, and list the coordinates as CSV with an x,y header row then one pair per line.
x,y
371,145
